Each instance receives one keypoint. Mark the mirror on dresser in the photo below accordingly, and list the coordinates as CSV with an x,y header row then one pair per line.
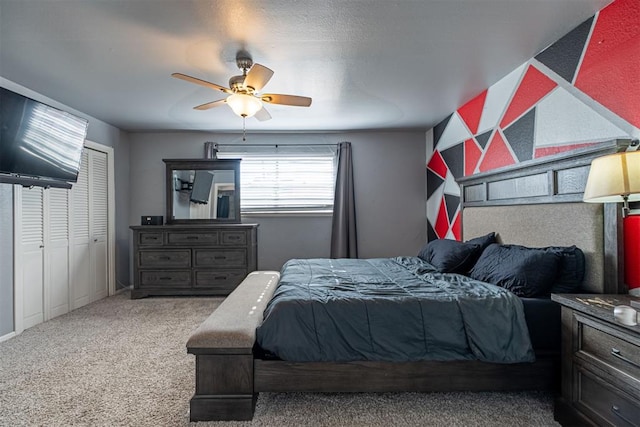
x,y
200,191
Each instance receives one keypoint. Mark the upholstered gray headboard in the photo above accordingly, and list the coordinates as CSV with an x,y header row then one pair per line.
x,y
561,224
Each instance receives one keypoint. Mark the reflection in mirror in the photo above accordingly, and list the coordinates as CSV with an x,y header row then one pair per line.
x,y
203,190
203,194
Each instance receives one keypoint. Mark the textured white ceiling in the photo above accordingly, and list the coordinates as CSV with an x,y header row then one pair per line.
x,y
367,64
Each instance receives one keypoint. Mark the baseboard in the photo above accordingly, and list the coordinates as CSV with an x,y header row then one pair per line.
x,y
7,336
120,287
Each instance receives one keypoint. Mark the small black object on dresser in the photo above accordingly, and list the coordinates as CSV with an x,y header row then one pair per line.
x,y
600,363
203,259
151,220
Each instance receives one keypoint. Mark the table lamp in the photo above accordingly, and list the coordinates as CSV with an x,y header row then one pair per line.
x,y
612,179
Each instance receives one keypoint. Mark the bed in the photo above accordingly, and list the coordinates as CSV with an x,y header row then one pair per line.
x,y
536,204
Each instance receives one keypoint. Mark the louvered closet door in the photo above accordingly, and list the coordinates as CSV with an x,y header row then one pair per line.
x,y
89,230
56,252
32,256
98,223
81,283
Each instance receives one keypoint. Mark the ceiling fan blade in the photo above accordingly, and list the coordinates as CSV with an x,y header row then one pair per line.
x,y
209,105
201,82
257,77
263,115
294,100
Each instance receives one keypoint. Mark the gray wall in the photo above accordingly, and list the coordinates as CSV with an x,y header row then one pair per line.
x,y
389,176
6,259
105,134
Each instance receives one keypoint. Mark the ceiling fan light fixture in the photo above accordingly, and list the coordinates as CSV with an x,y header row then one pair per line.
x,y
244,105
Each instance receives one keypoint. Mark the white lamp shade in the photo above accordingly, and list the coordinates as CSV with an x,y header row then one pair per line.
x,y
244,105
612,177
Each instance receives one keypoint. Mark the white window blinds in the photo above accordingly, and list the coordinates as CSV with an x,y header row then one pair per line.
x,y
284,178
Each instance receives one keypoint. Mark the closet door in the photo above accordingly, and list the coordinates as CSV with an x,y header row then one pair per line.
x,y
89,230
80,259
56,252
32,256
98,223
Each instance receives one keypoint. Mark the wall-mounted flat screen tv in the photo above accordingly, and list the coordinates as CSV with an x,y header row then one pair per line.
x,y
39,144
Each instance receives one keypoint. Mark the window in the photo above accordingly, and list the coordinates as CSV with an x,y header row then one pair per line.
x,y
284,178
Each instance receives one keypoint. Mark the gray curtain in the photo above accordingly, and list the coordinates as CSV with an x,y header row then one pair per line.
x,y
343,228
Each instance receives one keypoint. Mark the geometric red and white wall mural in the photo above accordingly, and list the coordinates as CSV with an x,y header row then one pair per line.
x,y
583,89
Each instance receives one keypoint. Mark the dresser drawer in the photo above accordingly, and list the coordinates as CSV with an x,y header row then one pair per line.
x,y
610,349
195,238
606,401
150,238
220,258
226,279
236,237
168,278
165,258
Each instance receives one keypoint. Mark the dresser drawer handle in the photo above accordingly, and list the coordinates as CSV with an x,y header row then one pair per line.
x,y
166,258
192,237
221,277
616,353
219,257
616,411
164,278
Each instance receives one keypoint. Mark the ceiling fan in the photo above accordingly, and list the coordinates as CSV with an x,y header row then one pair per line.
x,y
244,98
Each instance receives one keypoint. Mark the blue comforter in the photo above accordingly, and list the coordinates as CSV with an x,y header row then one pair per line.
x,y
390,309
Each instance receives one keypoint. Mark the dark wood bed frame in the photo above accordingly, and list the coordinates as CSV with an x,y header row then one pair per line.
x,y
230,376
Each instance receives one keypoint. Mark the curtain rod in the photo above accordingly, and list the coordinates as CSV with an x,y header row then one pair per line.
x,y
276,145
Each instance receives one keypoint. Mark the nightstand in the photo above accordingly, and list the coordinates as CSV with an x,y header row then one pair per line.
x,y
600,363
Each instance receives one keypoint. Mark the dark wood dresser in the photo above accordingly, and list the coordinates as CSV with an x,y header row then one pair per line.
x,y
192,259
600,363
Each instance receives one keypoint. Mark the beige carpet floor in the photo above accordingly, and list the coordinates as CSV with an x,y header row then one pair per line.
x,y
122,362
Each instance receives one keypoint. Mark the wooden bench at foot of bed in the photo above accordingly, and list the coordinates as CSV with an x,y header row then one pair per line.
x,y
229,376
223,346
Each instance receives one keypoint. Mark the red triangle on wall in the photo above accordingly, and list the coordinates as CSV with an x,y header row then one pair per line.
x,y
472,153
609,70
456,227
533,87
497,154
437,165
442,222
472,111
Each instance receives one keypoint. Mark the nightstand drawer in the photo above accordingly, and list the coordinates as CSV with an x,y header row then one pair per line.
x,y
220,258
613,405
610,349
172,279
174,258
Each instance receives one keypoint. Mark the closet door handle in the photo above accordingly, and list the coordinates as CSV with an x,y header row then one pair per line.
x,y
616,353
41,246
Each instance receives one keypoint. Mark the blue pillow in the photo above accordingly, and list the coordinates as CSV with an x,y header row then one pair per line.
x,y
450,256
527,272
570,270
483,241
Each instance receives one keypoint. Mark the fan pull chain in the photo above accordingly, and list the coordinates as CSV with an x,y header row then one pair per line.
x,y
244,128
